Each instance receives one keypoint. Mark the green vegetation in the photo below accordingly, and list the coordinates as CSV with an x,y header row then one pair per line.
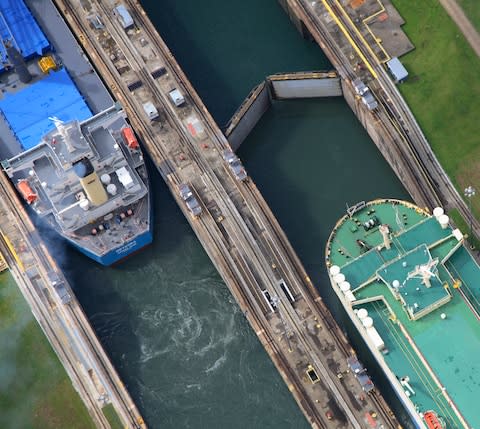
x,y
443,90
462,224
112,417
472,10
35,391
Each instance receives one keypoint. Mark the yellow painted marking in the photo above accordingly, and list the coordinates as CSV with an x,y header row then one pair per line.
x,y
347,16
13,252
350,40
379,44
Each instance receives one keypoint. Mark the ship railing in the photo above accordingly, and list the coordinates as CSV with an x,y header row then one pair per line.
x,y
141,211
375,299
355,208
451,251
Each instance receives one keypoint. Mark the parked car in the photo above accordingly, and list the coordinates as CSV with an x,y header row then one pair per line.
x,y
191,201
235,165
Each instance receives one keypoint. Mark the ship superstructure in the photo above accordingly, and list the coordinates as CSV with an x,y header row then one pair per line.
x,y
90,182
412,290
66,146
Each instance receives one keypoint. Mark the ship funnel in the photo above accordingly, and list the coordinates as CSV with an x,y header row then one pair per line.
x,y
385,231
90,182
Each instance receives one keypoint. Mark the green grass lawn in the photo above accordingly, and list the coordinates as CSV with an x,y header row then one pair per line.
x,y
35,391
112,417
472,10
443,90
464,226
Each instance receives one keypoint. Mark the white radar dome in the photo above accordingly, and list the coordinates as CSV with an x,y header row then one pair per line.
x,y
334,270
438,211
105,178
344,286
396,284
112,189
84,204
339,278
443,221
367,322
362,313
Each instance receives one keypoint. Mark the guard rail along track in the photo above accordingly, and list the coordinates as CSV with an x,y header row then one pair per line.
x,y
237,229
58,321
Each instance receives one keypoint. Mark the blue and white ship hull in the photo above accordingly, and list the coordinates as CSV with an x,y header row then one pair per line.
x,y
116,255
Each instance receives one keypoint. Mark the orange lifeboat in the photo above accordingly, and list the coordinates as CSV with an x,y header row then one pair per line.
x,y
129,138
27,191
433,421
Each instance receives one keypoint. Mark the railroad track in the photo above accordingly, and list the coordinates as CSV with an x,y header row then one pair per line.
x,y
251,301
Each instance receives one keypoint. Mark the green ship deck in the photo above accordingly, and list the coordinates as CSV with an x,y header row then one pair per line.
x,y
423,296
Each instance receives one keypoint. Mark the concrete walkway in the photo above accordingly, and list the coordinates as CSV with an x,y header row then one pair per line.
x,y
466,27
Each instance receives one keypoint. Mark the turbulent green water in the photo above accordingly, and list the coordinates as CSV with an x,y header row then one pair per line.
x,y
175,334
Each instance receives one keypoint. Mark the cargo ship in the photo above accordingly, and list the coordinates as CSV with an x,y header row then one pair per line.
x,y
65,144
412,290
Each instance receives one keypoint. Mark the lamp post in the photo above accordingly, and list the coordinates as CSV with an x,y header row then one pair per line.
x,y
469,192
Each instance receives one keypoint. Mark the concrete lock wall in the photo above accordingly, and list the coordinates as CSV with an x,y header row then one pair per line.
x,y
247,115
306,88
278,87
384,143
298,24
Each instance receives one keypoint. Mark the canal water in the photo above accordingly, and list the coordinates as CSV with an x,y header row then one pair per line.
x,y
172,329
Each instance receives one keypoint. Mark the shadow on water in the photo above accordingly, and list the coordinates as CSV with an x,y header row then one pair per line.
x,y
107,308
